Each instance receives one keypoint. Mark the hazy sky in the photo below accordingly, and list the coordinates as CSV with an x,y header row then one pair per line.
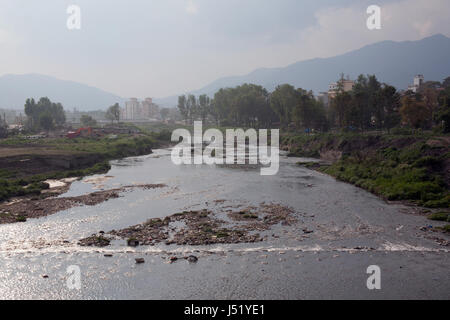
x,y
158,48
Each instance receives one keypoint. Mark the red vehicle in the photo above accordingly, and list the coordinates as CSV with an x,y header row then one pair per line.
x,y
83,132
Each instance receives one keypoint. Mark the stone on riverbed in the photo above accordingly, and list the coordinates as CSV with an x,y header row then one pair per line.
x,y
192,259
133,242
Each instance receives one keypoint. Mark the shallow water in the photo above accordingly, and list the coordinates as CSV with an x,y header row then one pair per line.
x,y
352,230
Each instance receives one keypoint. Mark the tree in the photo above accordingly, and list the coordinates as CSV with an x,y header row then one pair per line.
x,y
249,106
204,106
46,121
183,107
414,112
446,82
222,104
301,113
113,113
442,116
192,107
3,128
31,111
390,105
58,114
34,111
341,106
87,121
366,107
429,96
283,101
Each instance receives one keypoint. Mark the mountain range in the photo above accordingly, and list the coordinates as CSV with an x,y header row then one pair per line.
x,y
392,62
15,89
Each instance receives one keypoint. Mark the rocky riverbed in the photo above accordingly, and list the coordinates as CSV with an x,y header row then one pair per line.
x,y
226,224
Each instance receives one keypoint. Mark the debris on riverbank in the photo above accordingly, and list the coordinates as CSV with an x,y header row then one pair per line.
x,y
203,227
23,209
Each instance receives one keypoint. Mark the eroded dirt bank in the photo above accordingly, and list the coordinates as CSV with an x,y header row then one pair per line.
x,y
414,168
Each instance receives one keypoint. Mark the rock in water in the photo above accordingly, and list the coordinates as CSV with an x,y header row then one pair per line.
x,y
192,259
133,242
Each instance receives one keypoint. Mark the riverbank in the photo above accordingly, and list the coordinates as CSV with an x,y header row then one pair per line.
x,y
413,168
25,165
22,209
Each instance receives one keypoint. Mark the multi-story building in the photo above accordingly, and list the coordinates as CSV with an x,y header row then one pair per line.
x,y
136,110
132,109
418,81
345,85
149,109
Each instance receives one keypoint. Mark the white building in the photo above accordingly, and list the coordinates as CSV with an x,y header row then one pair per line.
x,y
132,109
136,110
418,81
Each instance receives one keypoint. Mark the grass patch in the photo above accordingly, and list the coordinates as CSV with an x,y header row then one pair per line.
x,y
440,216
21,219
102,149
396,167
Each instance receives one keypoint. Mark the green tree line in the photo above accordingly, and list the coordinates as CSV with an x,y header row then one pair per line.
x,y
370,105
44,114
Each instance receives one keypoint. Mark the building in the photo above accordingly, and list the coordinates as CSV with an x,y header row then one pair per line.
x,y
132,109
345,85
418,81
136,110
149,109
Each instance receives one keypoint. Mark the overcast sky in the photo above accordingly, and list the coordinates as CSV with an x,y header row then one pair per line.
x,y
159,48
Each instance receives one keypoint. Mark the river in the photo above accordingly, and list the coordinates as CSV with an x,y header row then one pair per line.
x,y
352,230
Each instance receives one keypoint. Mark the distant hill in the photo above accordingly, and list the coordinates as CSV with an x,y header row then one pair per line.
x,y
15,89
392,62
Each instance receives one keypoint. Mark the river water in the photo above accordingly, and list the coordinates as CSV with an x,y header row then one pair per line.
x,y
352,229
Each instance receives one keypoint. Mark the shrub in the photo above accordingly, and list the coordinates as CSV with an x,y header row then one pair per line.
x,y
440,216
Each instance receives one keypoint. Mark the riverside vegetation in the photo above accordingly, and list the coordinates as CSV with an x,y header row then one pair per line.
x,y
412,167
25,165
